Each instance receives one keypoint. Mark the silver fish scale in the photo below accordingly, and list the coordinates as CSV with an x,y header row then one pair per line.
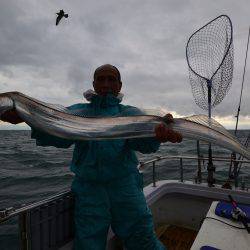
x,y
44,117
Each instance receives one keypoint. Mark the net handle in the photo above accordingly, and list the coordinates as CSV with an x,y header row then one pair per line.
x,y
225,53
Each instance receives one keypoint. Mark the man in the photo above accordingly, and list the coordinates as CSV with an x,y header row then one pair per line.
x,y
108,187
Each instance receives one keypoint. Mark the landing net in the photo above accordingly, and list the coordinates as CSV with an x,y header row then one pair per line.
x,y
209,53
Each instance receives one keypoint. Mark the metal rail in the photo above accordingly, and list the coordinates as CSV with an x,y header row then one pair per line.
x,y
187,157
144,165
10,212
47,224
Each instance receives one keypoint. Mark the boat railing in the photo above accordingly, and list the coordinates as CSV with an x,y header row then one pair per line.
x,y
198,178
47,223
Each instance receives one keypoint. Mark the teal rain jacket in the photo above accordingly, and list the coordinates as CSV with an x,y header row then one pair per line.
x,y
107,185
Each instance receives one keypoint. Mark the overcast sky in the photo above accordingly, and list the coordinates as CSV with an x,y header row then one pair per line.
x,y
145,39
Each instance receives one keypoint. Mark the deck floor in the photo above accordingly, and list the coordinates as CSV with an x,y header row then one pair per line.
x,y
176,238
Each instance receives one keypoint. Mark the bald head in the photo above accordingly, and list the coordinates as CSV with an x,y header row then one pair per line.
x,y
108,68
107,79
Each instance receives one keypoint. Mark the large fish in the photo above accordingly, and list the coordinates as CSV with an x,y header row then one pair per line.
x,y
59,121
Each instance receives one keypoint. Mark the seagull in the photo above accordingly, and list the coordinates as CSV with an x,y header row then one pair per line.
x,y
60,15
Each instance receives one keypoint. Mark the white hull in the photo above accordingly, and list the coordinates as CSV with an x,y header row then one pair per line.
x,y
186,205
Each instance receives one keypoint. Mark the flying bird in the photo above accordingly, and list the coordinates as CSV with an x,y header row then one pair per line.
x,y
60,15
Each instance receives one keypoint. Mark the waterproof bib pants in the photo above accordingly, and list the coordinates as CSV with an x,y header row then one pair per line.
x,y
120,204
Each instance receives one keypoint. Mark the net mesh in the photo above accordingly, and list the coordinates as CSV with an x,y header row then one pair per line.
x,y
209,55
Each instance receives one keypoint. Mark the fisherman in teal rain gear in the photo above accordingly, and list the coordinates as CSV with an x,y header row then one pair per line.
x,y
107,185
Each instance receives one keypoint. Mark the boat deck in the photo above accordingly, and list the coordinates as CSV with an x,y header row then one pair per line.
x,y
175,237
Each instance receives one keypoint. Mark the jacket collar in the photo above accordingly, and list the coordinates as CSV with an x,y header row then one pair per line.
x,y
102,101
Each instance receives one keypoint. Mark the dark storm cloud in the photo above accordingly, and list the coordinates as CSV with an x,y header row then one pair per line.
x,y
21,39
145,39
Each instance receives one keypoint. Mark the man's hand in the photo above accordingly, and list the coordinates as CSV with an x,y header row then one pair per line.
x,y
11,116
164,134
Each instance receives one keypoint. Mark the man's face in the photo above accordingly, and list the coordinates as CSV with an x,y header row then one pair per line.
x,y
107,81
